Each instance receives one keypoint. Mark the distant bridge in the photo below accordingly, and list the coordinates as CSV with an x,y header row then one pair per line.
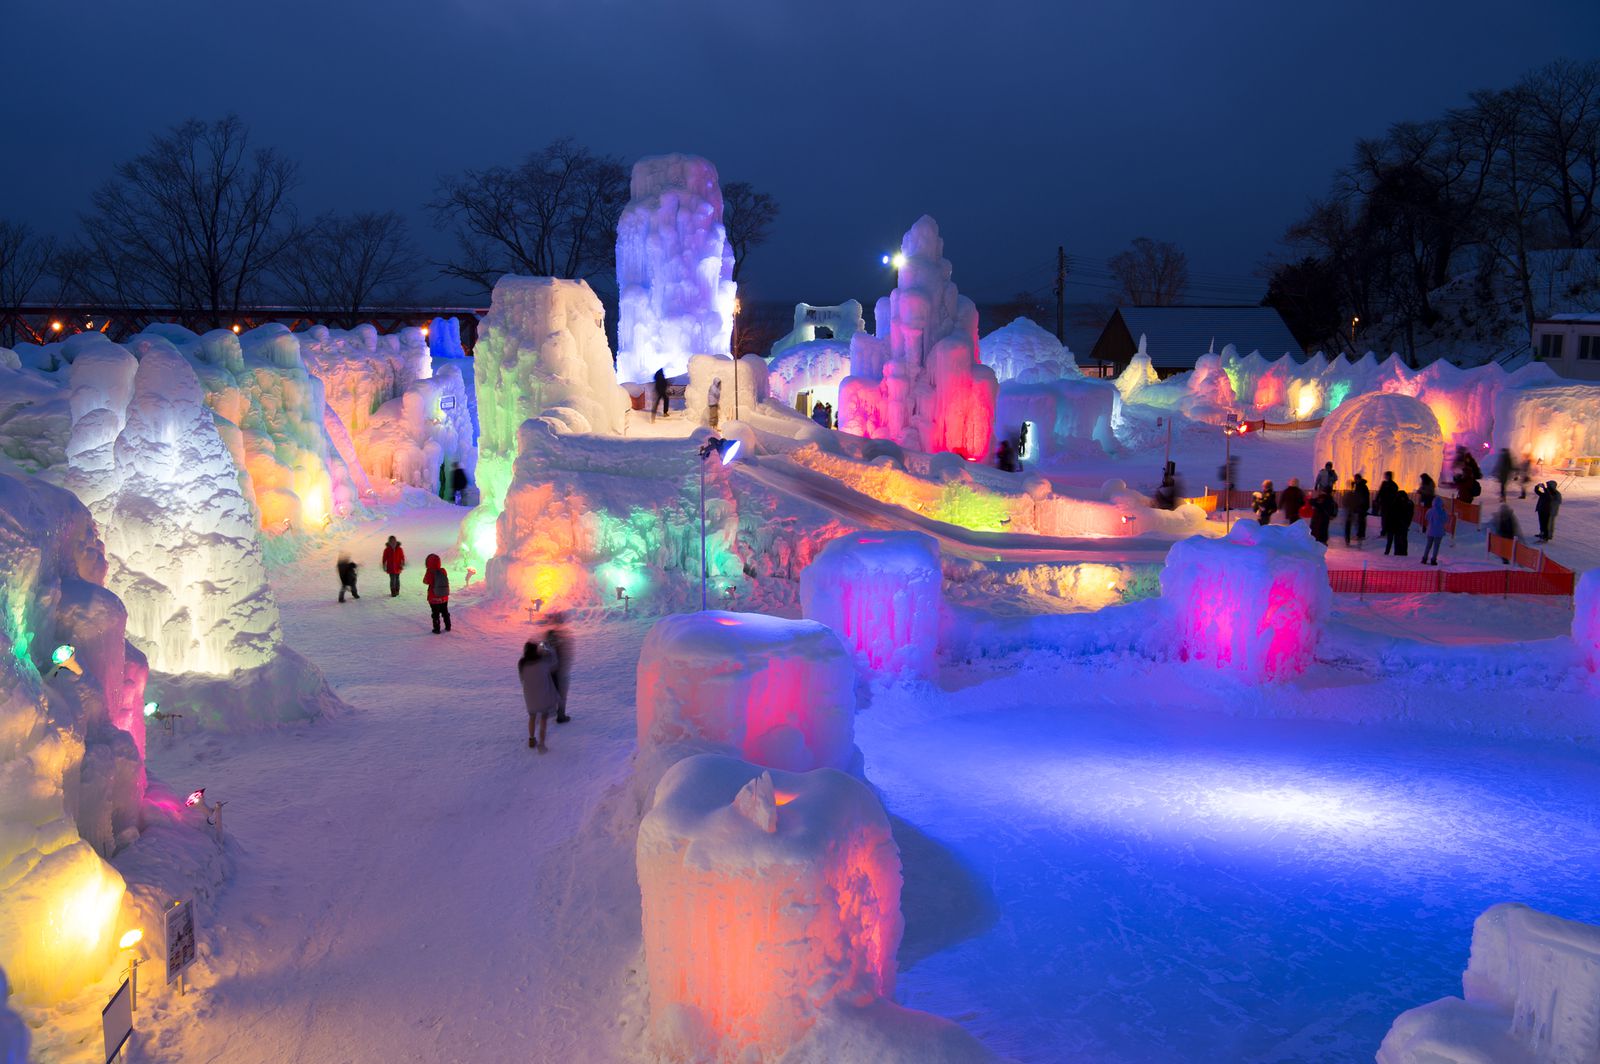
x,y
43,323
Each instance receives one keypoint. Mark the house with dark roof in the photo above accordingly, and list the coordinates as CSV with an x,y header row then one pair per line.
x,y
1176,336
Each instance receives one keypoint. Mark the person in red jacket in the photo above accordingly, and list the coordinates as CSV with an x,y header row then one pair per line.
x,y
437,582
394,559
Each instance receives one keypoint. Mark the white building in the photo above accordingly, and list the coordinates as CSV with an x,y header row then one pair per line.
x,y
1569,344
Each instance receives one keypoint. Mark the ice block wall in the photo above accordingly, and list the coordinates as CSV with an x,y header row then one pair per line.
x,y
674,268
1553,423
780,692
882,593
1378,432
1531,995
1586,618
918,381
1254,603
767,896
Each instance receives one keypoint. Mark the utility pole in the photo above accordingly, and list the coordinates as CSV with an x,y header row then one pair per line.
x,y
1061,294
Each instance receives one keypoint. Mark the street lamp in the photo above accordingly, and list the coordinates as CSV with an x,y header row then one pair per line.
x,y
1233,427
728,450
896,260
1354,321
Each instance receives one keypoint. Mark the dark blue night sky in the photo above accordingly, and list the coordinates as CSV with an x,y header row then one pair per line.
x,y
1017,125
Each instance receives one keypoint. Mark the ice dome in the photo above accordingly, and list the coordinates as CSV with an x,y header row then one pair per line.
x,y
1378,432
1021,350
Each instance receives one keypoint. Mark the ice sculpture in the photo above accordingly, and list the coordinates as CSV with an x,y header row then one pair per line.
x,y
1022,351
1531,995
767,897
918,382
1380,432
837,324
541,353
1137,375
1554,423
146,457
780,692
814,369
1586,618
882,592
1254,603
72,777
674,268
1061,417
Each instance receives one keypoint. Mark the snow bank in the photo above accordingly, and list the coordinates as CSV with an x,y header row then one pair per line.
x,y
1378,432
1023,352
780,692
816,367
767,896
1254,603
882,593
1554,423
918,382
674,268
147,459
72,777
1586,618
1531,995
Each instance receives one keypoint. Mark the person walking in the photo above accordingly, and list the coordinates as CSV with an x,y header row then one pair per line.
x,y
1292,500
1401,512
458,484
714,402
1383,506
1505,526
1356,502
1266,503
1525,475
1327,479
1547,507
437,581
1435,523
559,640
347,577
1322,510
662,398
537,670
394,560
1005,458
1426,491
1504,467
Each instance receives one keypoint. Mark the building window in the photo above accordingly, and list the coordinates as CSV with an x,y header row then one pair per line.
x,y
1550,347
1589,347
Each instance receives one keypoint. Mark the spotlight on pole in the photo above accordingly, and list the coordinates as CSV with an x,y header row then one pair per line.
x,y
213,812
624,598
729,450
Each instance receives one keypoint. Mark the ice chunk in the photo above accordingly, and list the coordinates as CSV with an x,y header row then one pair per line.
x,y
1254,603
674,268
1532,996
1381,432
750,933
780,692
882,592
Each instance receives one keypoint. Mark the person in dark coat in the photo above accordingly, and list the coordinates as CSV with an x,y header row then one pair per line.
x,y
1266,503
560,641
661,398
347,577
458,484
394,560
1426,490
437,581
537,671
1547,507
1327,478
1356,502
1505,526
1504,467
822,415
1397,523
1291,501
1006,457
1322,510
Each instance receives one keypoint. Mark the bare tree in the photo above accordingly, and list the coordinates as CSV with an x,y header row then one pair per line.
x,y
1152,273
1562,113
553,215
25,259
345,262
747,215
197,220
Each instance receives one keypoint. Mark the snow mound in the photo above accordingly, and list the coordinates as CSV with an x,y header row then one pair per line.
x,y
882,593
1531,995
1381,432
918,382
1023,352
674,268
1254,603
767,896
1586,618
780,692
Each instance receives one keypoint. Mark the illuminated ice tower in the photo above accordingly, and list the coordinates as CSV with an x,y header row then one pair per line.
x,y
674,268
918,382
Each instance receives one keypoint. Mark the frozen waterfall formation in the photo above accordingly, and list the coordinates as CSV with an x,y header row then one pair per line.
x,y
1378,433
146,457
1530,995
674,269
882,594
918,382
769,880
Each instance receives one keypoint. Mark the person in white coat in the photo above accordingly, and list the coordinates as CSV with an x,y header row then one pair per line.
x,y
714,401
537,670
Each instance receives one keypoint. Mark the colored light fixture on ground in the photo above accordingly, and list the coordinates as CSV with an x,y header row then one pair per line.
x,y
65,657
195,798
151,709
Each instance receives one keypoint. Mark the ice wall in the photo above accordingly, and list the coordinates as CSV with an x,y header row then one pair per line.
x,y
779,692
753,387
1065,418
148,460
361,370
1552,422
918,382
1531,995
1023,352
674,268
541,353
1254,603
767,898
71,770
882,593
1379,432
817,367
1586,618
415,437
